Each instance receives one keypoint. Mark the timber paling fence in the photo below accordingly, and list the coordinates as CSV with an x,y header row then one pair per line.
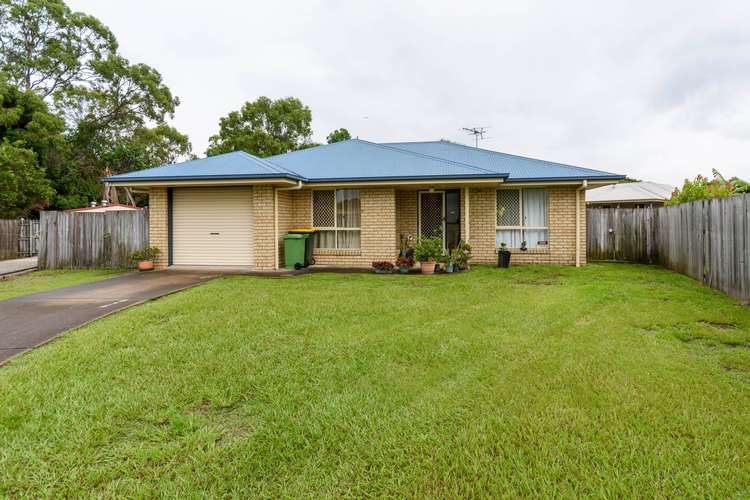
x,y
708,240
91,240
9,233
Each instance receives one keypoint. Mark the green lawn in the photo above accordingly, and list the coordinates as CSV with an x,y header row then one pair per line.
x,y
41,281
613,380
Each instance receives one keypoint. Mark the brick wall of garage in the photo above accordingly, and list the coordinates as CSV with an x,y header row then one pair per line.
x,y
158,229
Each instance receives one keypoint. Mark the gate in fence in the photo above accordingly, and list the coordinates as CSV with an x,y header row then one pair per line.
x,y
28,238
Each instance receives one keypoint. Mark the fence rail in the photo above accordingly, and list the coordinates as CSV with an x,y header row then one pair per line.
x,y
91,240
707,240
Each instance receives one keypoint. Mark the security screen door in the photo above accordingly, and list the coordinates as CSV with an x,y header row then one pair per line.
x,y
432,214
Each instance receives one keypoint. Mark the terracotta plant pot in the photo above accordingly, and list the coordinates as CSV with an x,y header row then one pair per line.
x,y
146,265
427,267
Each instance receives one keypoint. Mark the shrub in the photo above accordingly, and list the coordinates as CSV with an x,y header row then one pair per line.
x,y
382,265
429,249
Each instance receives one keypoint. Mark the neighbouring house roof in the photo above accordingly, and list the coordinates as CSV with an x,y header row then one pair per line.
x,y
518,168
357,160
630,192
114,207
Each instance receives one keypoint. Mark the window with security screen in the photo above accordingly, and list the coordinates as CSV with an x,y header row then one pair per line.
x,y
337,216
522,216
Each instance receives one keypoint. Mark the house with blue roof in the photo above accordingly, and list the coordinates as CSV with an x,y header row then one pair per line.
x,y
362,199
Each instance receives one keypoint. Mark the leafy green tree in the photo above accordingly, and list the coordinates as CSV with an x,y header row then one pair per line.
x,y
29,134
264,128
338,135
23,186
47,48
701,189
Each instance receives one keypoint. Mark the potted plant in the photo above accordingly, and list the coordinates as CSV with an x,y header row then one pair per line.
x,y
427,252
144,259
523,246
406,246
452,260
404,263
463,256
503,256
382,266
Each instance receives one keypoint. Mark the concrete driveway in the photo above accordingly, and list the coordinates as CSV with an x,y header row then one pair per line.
x,y
17,265
32,320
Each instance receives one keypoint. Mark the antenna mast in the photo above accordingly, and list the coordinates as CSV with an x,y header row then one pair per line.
x,y
477,132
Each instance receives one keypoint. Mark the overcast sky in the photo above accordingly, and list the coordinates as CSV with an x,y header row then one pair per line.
x,y
658,90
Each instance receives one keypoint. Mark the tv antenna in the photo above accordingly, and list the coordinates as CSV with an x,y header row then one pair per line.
x,y
477,132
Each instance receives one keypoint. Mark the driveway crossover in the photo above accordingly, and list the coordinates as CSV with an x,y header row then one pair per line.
x,y
32,320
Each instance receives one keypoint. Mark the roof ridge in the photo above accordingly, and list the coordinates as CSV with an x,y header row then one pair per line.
x,y
414,153
268,165
567,165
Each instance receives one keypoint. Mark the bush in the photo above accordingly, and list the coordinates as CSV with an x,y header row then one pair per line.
x,y
429,249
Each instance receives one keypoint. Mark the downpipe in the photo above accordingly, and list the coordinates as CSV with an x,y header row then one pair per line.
x,y
578,221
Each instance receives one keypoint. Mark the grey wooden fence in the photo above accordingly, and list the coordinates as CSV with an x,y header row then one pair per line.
x,y
9,231
91,240
707,240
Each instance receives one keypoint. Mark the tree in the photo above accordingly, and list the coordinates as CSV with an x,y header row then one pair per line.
x,y
338,135
47,48
263,128
700,189
29,135
23,186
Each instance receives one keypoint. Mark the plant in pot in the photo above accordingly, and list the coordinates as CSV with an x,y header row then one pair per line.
x,y
427,252
503,256
463,256
523,246
144,259
404,263
407,245
382,267
452,261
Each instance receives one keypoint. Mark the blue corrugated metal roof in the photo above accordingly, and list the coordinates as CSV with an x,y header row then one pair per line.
x,y
357,160
235,165
518,168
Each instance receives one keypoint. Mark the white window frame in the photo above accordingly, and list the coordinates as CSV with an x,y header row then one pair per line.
x,y
522,228
335,227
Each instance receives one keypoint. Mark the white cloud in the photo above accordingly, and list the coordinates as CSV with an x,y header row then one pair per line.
x,y
657,90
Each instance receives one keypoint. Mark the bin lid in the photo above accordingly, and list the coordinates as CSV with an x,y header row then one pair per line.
x,y
303,230
295,236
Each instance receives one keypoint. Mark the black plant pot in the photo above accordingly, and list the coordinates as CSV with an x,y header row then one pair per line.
x,y
503,258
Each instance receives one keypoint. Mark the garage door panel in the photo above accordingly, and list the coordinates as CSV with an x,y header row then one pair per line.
x,y
212,226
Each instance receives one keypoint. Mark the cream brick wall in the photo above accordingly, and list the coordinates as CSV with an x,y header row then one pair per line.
x,y
406,213
561,218
379,239
264,244
158,235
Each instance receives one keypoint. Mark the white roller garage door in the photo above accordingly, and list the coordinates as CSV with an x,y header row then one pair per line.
x,y
212,226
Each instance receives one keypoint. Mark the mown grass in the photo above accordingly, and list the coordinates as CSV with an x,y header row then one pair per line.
x,y
612,380
49,279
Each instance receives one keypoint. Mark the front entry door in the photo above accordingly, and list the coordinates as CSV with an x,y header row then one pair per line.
x,y
432,214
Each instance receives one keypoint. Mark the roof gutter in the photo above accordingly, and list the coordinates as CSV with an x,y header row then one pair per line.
x,y
578,222
276,219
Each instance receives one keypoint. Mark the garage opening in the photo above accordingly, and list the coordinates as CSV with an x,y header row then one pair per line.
x,y
212,226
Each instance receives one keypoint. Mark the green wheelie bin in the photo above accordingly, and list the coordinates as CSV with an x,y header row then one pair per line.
x,y
309,243
294,250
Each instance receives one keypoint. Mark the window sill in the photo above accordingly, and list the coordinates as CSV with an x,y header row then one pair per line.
x,y
337,251
533,251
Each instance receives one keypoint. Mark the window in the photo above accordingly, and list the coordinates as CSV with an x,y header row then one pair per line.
x,y
522,215
336,216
